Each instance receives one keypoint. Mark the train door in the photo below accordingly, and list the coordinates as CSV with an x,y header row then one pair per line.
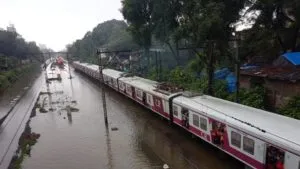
x,y
133,92
185,117
111,82
274,158
144,98
218,133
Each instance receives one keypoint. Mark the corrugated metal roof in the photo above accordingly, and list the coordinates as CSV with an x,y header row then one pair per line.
x,y
277,73
293,57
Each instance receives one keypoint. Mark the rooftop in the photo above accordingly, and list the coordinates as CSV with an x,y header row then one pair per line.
x,y
272,72
293,57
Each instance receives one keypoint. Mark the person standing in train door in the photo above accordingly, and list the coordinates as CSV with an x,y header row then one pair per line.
x,y
279,164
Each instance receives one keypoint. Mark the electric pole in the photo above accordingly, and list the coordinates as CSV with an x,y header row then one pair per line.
x,y
70,76
101,81
237,66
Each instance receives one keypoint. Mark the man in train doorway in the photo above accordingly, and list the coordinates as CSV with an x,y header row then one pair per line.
x,y
185,118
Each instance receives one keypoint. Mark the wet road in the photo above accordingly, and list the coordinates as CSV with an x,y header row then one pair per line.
x,y
80,140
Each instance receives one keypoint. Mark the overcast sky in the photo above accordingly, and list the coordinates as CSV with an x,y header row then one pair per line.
x,y
56,23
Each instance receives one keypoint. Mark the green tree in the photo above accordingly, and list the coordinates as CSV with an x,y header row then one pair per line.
x,y
111,35
166,24
292,108
208,24
139,16
276,22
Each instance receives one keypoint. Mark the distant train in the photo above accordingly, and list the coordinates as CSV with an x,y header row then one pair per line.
x,y
60,62
259,139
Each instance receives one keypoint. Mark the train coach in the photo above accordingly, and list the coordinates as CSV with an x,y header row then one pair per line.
x,y
259,139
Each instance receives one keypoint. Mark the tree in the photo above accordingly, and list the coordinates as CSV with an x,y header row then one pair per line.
x,y
111,35
279,21
13,45
138,14
166,23
208,24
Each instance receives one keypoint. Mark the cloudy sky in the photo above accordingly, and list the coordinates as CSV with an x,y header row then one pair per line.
x,y
56,23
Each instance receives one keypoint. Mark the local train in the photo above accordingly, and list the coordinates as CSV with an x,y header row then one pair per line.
x,y
60,62
259,139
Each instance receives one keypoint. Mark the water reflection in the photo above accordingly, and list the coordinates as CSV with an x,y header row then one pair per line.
x,y
108,150
69,115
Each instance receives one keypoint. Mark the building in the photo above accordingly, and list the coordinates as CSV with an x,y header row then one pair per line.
x,y
281,79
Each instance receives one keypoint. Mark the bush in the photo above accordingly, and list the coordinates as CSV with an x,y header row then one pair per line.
x,y
186,78
253,97
292,109
11,76
4,83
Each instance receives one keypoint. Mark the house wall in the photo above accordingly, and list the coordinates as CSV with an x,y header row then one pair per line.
x,y
278,92
245,82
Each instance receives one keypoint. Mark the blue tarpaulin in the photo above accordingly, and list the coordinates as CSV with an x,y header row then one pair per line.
x,y
231,82
221,74
293,57
226,74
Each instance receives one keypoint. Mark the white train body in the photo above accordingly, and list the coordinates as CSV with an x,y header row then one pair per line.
x,y
258,138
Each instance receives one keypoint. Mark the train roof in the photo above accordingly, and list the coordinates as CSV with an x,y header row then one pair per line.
x,y
112,73
146,85
89,66
278,126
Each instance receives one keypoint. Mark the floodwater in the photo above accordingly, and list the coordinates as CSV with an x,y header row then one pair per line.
x,y
79,139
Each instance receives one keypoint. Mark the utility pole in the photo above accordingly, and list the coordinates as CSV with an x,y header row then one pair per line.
x,y
237,67
156,66
70,77
160,66
6,65
101,81
210,67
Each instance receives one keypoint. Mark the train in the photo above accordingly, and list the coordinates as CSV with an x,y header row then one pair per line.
x,y
60,62
258,138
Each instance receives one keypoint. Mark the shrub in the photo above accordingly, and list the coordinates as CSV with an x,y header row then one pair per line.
x,y
292,108
253,97
4,83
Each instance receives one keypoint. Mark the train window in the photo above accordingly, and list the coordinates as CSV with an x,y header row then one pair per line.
x,y
195,120
149,101
203,123
139,94
115,83
157,102
128,89
248,145
235,139
175,111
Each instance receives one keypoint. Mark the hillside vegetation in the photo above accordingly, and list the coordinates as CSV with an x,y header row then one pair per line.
x,y
16,57
112,35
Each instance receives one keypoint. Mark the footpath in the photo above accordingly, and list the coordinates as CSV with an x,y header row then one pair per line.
x,y
15,120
